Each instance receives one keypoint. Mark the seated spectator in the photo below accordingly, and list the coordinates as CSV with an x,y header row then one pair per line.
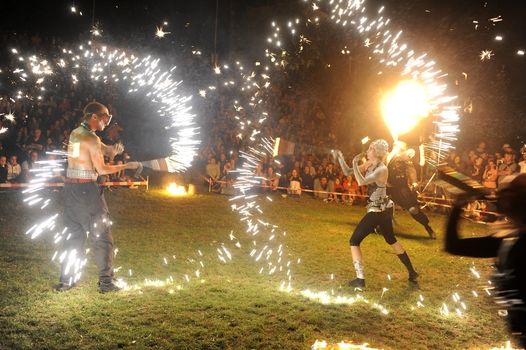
x,y
507,166
522,163
36,142
295,182
308,178
3,169
30,164
321,187
2,150
213,171
14,170
489,178
338,188
259,171
457,164
330,172
271,180
227,180
477,170
350,186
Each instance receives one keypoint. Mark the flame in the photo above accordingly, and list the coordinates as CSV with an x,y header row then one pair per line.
x,y
404,107
176,190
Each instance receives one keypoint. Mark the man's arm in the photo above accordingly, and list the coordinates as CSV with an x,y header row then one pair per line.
x,y
97,159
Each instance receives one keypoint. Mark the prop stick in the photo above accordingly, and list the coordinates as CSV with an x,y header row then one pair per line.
x,y
161,164
284,147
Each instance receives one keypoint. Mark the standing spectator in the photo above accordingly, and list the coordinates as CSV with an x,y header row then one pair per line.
x,y
14,170
507,167
3,169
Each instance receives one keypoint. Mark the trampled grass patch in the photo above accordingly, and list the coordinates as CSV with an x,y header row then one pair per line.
x,y
232,306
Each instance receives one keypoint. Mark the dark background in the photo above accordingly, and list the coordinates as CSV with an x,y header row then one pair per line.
x,y
445,29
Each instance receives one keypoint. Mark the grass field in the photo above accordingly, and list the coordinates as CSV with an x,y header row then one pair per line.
x,y
231,305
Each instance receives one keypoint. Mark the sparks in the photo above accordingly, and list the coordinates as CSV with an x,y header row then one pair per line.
x,y
486,55
160,33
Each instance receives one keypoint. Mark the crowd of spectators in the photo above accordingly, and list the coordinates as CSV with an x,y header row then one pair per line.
x,y
298,115
41,127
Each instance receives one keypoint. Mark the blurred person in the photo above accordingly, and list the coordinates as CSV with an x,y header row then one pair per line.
x,y
295,182
30,164
85,209
227,180
213,172
3,169
14,170
2,150
489,178
458,165
259,171
522,163
308,179
477,169
338,188
351,187
508,246
35,142
330,172
271,180
507,166
506,148
481,149
320,173
374,173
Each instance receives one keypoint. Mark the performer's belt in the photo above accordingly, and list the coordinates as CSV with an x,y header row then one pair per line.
x,y
71,180
90,175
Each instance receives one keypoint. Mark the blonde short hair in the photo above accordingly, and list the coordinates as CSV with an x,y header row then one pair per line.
x,y
380,148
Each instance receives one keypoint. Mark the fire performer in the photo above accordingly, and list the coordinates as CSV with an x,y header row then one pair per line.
x,y
379,208
508,246
86,213
401,169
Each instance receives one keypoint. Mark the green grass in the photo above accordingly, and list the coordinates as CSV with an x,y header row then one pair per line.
x,y
232,305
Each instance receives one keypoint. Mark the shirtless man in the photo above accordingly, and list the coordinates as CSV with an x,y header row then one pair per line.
x,y
86,213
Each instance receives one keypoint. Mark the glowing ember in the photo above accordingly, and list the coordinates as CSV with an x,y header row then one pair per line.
x,y
176,190
322,344
507,346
